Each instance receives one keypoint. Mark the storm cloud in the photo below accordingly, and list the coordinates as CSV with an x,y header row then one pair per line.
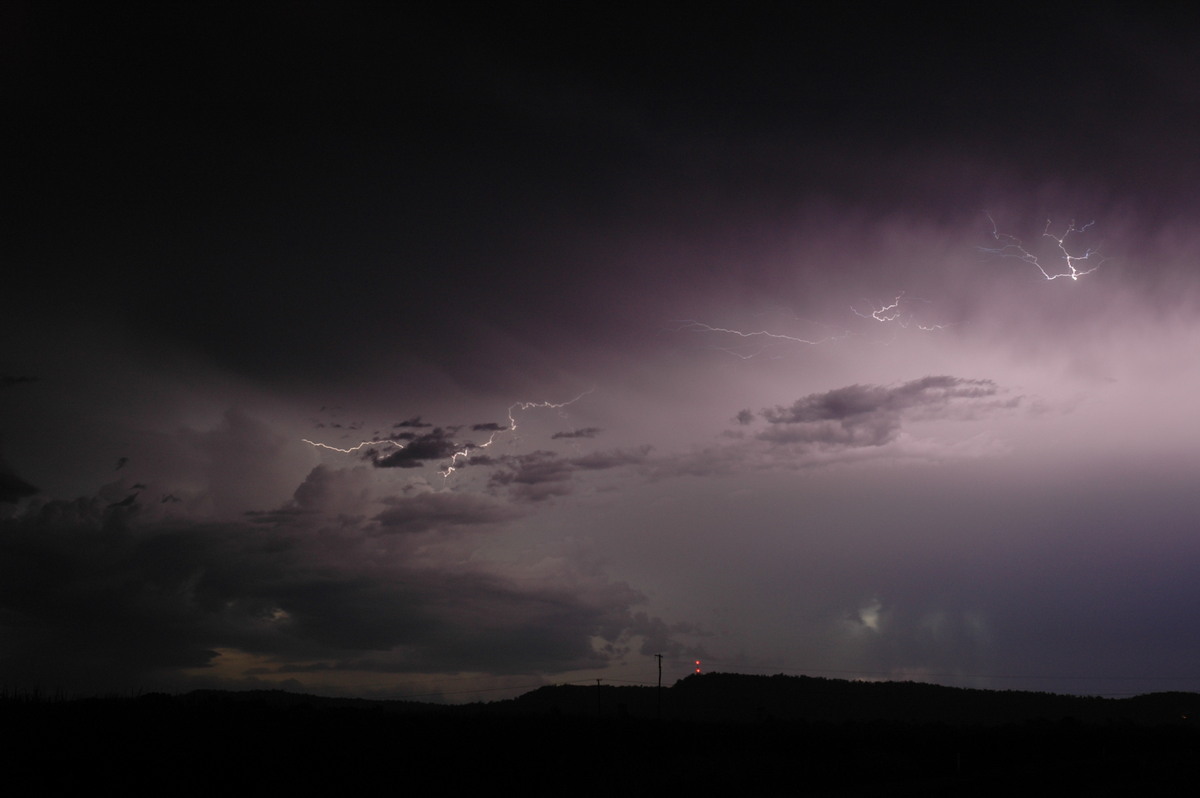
x,y
94,596
871,415
880,445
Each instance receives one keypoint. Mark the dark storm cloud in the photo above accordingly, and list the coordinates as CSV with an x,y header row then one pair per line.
x,y
92,597
441,511
870,415
482,460
586,432
490,426
13,488
535,476
332,491
128,501
856,401
612,458
435,445
821,429
456,620
542,475
273,517
564,133
659,637
399,244
85,600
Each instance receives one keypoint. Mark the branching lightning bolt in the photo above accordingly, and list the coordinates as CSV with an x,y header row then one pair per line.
x,y
884,313
893,313
451,467
898,311
1011,247
397,444
512,427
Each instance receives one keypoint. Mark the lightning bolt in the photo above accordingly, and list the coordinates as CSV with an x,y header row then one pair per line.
x,y
353,448
512,427
893,313
1011,247
690,325
451,467
890,312
885,313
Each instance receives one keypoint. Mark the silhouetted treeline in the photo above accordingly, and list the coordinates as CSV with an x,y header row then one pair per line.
x,y
718,734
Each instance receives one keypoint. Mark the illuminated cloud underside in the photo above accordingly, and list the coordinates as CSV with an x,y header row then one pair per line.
x,y
814,373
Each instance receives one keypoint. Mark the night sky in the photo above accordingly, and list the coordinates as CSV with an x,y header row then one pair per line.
x,y
746,335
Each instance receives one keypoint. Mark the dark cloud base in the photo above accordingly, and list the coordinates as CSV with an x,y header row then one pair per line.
x,y
98,598
229,218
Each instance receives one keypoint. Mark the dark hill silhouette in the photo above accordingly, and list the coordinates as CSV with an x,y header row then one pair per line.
x,y
728,697
719,734
740,698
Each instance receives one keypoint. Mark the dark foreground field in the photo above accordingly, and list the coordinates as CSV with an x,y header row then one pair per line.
x,y
714,735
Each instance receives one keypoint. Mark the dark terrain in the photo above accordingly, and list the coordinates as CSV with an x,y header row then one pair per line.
x,y
715,734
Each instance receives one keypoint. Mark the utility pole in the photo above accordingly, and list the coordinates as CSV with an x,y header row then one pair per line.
x,y
659,656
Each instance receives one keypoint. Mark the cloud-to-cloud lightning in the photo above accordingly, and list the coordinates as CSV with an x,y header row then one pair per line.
x,y
883,313
352,449
889,312
765,336
892,312
452,466
512,427
1011,247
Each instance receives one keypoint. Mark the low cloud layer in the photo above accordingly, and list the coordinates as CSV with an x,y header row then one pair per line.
x,y
872,415
94,596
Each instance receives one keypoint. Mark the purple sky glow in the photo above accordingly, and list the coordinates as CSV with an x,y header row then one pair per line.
x,y
821,413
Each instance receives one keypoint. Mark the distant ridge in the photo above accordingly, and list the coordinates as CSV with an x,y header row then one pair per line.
x,y
741,698
719,734
730,697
